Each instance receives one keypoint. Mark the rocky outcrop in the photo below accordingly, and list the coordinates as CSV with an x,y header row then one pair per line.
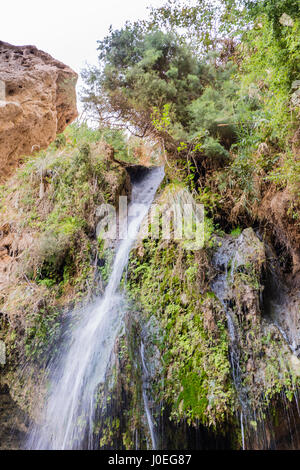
x,y
37,101
13,422
263,329
276,212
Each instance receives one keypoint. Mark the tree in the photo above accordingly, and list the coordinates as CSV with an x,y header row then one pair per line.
x,y
153,83
139,74
204,23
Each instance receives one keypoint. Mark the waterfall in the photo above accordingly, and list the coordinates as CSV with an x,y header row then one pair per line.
x,y
150,420
221,287
80,368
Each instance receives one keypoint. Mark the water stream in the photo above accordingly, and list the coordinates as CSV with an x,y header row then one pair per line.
x,y
224,262
150,420
80,368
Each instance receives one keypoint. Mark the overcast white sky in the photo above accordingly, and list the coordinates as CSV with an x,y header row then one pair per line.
x,y
67,29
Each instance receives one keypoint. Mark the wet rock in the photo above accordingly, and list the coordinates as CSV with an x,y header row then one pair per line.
x,y
295,364
262,324
282,303
13,422
239,262
250,366
211,315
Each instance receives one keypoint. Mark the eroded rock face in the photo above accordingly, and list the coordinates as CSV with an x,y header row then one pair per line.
x,y
264,337
13,422
37,101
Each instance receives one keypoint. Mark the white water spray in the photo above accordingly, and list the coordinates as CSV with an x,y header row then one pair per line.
x,y
150,420
70,406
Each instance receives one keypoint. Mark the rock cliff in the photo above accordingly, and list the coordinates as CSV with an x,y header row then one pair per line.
x,y
37,101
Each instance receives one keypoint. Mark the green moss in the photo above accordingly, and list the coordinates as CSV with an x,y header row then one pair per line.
x,y
193,397
236,232
42,333
196,371
58,192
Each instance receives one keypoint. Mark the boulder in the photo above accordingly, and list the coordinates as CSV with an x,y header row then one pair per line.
x,y
37,102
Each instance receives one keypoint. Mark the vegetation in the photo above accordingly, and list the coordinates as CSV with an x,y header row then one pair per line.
x,y
166,283
224,107
51,208
230,104
214,87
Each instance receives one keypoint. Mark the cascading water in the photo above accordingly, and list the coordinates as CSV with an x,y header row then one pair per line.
x,y
150,420
224,261
70,405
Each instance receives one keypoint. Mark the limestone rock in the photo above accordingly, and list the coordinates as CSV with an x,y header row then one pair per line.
x,y
37,101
